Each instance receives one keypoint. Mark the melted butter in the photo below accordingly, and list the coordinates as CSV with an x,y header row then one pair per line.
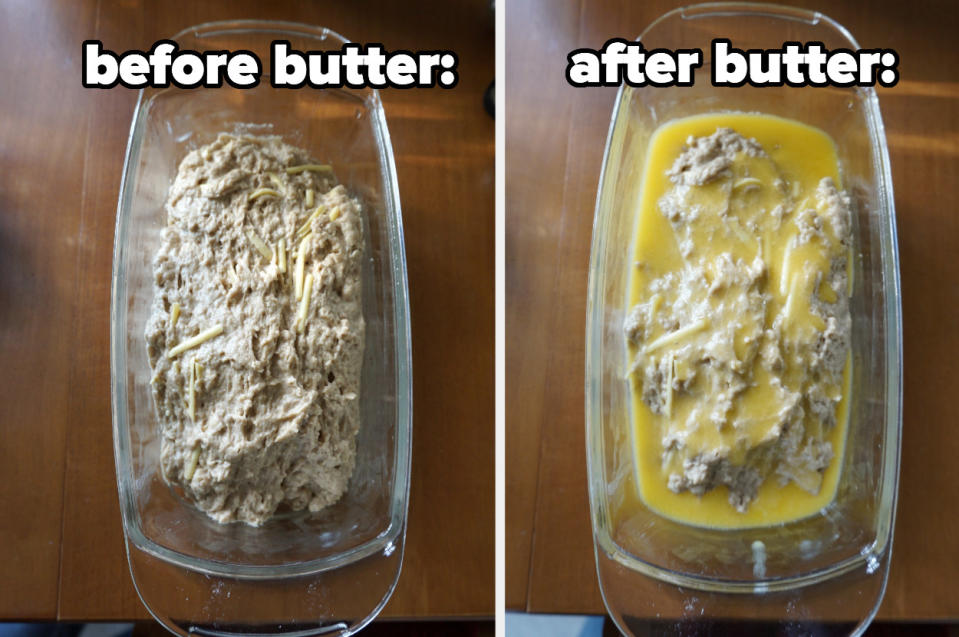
x,y
735,217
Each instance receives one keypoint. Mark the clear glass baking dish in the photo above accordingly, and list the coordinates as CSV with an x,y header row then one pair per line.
x,y
329,573
824,574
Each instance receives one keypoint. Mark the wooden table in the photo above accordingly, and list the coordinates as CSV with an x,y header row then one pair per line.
x,y
555,138
61,155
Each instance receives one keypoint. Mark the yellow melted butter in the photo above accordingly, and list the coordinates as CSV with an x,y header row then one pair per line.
x,y
799,156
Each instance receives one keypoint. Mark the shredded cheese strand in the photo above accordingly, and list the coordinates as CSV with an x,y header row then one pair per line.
x,y
260,245
747,181
304,302
305,228
733,224
335,214
191,468
300,263
309,198
281,258
174,314
678,335
785,274
320,168
263,192
193,389
669,386
280,186
197,340
655,301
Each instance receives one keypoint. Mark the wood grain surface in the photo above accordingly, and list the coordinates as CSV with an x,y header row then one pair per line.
x,y
61,156
555,140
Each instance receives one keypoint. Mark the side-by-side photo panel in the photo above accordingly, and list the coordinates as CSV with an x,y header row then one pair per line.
x,y
722,252
247,271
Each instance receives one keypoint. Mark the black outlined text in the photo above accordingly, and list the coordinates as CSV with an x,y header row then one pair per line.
x,y
166,64
359,66
620,61
797,64
354,66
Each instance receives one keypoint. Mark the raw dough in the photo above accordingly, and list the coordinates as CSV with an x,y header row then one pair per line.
x,y
275,408
709,332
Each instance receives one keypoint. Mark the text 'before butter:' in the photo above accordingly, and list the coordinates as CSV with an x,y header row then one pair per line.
x,y
352,66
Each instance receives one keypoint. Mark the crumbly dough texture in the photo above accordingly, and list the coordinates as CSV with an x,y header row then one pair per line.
x,y
276,410
731,297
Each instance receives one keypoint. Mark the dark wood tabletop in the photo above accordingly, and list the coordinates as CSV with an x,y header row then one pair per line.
x,y
61,156
555,139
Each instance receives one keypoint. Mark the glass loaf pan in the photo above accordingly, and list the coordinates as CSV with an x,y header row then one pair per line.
x,y
827,569
328,573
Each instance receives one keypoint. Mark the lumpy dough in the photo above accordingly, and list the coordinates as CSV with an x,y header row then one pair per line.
x,y
275,397
743,380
